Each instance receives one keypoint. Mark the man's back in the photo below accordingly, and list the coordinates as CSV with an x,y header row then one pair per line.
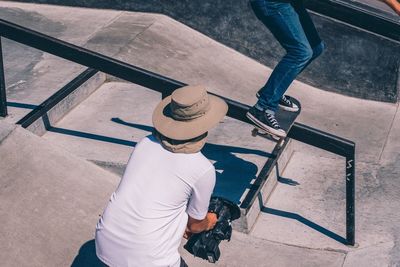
x,y
146,216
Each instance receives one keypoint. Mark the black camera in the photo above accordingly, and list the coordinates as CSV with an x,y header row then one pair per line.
x,y
205,244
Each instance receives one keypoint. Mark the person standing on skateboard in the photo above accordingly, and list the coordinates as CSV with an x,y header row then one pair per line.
x,y
292,26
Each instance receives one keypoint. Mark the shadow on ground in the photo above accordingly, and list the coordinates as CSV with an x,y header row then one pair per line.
x,y
301,219
87,256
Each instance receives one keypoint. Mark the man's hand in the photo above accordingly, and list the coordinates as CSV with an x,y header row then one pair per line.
x,y
212,220
187,233
197,226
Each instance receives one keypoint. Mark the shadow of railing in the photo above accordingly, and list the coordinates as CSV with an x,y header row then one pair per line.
x,y
92,136
307,222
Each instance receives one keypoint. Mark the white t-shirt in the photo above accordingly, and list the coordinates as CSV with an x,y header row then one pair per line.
x,y
146,216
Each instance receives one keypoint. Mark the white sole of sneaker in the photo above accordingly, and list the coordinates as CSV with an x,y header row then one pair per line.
x,y
291,109
270,130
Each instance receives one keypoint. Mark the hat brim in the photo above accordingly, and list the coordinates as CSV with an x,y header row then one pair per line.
x,y
184,130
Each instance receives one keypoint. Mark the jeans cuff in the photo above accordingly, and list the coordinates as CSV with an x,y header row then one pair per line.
x,y
259,105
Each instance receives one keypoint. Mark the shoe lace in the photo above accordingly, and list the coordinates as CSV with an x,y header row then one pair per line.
x,y
272,120
286,100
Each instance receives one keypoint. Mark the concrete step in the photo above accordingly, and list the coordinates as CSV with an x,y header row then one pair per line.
x,y
50,200
61,108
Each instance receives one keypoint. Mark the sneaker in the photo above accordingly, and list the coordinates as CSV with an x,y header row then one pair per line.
x,y
265,121
287,104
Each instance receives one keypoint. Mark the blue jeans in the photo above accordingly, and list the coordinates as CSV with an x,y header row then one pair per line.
x,y
292,26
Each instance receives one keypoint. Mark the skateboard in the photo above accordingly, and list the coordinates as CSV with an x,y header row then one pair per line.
x,y
285,118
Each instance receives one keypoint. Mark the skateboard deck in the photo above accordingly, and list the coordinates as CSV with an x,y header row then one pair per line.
x,y
285,119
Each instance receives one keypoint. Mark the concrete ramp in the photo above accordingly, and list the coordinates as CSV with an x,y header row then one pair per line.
x,y
50,202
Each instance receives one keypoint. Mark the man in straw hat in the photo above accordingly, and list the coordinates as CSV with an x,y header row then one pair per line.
x,y
167,185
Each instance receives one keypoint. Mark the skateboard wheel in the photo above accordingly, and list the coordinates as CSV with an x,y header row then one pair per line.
x,y
281,142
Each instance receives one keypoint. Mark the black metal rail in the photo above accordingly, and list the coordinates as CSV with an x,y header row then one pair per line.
x,y
56,98
325,141
3,99
165,86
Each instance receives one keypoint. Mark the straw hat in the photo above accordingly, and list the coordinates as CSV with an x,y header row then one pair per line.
x,y
188,113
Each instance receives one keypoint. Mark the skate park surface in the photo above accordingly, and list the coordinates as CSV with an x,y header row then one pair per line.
x,y
54,186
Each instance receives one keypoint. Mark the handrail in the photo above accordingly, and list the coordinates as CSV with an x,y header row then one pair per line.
x,y
165,86
3,98
320,139
56,98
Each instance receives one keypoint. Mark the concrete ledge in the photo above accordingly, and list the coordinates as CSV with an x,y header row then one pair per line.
x,y
40,126
249,217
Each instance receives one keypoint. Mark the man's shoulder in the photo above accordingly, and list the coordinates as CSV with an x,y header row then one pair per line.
x,y
149,139
147,142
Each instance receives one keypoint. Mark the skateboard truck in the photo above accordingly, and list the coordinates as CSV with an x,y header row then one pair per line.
x,y
265,134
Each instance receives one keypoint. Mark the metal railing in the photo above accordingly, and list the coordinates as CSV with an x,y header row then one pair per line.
x,y
165,86
56,98
3,98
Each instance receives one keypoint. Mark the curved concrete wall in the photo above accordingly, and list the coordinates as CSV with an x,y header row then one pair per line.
x,y
356,63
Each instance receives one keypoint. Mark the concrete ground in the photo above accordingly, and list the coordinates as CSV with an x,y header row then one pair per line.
x,y
303,222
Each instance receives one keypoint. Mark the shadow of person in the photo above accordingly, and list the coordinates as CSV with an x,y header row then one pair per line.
x,y
233,174
87,256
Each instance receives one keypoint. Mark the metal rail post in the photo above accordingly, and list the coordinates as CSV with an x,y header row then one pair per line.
x,y
339,146
350,199
3,99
